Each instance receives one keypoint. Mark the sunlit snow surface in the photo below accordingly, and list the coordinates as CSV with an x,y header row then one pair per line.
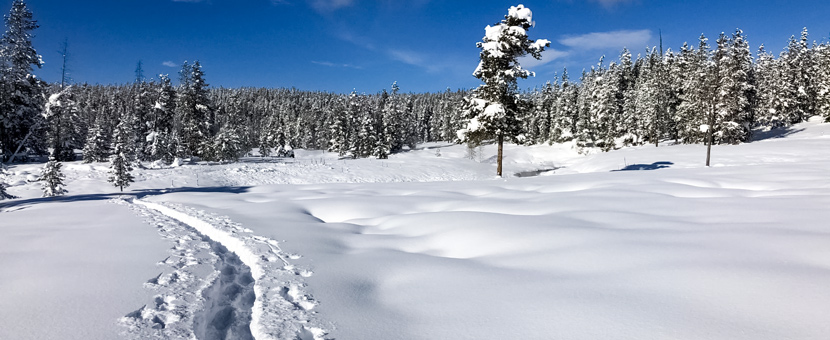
x,y
431,245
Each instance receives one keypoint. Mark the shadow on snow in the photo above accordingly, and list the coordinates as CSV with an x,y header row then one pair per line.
x,y
652,166
759,135
135,194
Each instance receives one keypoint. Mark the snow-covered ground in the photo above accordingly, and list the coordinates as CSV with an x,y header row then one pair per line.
x,y
431,245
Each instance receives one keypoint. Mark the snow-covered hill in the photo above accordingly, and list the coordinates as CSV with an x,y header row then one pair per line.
x,y
639,243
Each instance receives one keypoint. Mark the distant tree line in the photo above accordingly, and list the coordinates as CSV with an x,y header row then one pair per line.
x,y
695,95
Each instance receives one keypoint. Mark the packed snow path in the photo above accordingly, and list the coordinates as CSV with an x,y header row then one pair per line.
x,y
221,282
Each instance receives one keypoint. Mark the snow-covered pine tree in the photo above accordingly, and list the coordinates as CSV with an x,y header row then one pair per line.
x,y
340,126
800,73
142,109
493,112
627,124
365,142
63,119
227,146
96,148
542,115
159,141
733,102
194,112
698,92
768,78
605,111
822,84
52,178
21,100
647,101
566,111
122,156
3,193
586,95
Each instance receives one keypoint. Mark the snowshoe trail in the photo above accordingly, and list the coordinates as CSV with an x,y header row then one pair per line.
x,y
221,282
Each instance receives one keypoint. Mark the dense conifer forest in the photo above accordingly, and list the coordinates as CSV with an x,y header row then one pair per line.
x,y
704,92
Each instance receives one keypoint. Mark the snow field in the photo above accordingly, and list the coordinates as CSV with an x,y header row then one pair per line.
x,y
430,245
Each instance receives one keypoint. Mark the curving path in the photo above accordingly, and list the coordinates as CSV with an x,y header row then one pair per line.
x,y
220,282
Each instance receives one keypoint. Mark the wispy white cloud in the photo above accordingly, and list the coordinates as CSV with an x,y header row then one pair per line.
x,y
330,64
611,3
608,40
347,36
170,64
407,57
329,5
417,59
549,55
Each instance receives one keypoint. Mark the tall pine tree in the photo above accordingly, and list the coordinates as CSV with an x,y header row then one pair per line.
x,y
493,109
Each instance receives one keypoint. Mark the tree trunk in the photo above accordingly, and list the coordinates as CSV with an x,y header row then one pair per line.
x,y
710,138
499,156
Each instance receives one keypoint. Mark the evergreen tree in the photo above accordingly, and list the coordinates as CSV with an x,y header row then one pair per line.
x,y
697,95
160,141
194,112
52,178
566,111
21,93
227,146
123,156
493,109
62,115
647,100
822,59
736,91
3,193
96,148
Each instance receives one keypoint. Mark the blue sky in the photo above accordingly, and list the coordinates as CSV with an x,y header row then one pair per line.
x,y
340,45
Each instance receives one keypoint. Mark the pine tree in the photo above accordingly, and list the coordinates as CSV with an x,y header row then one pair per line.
x,y
227,146
52,178
194,111
21,100
3,193
123,156
647,101
493,109
62,115
120,167
697,94
822,59
160,141
96,148
566,111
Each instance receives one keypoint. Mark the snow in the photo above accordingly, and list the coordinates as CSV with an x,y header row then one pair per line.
x,y
520,12
637,243
540,44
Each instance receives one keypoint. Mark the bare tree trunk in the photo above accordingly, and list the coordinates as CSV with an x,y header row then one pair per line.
x,y
709,147
500,154
710,136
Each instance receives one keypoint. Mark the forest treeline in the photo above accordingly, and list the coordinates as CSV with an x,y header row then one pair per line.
x,y
654,97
